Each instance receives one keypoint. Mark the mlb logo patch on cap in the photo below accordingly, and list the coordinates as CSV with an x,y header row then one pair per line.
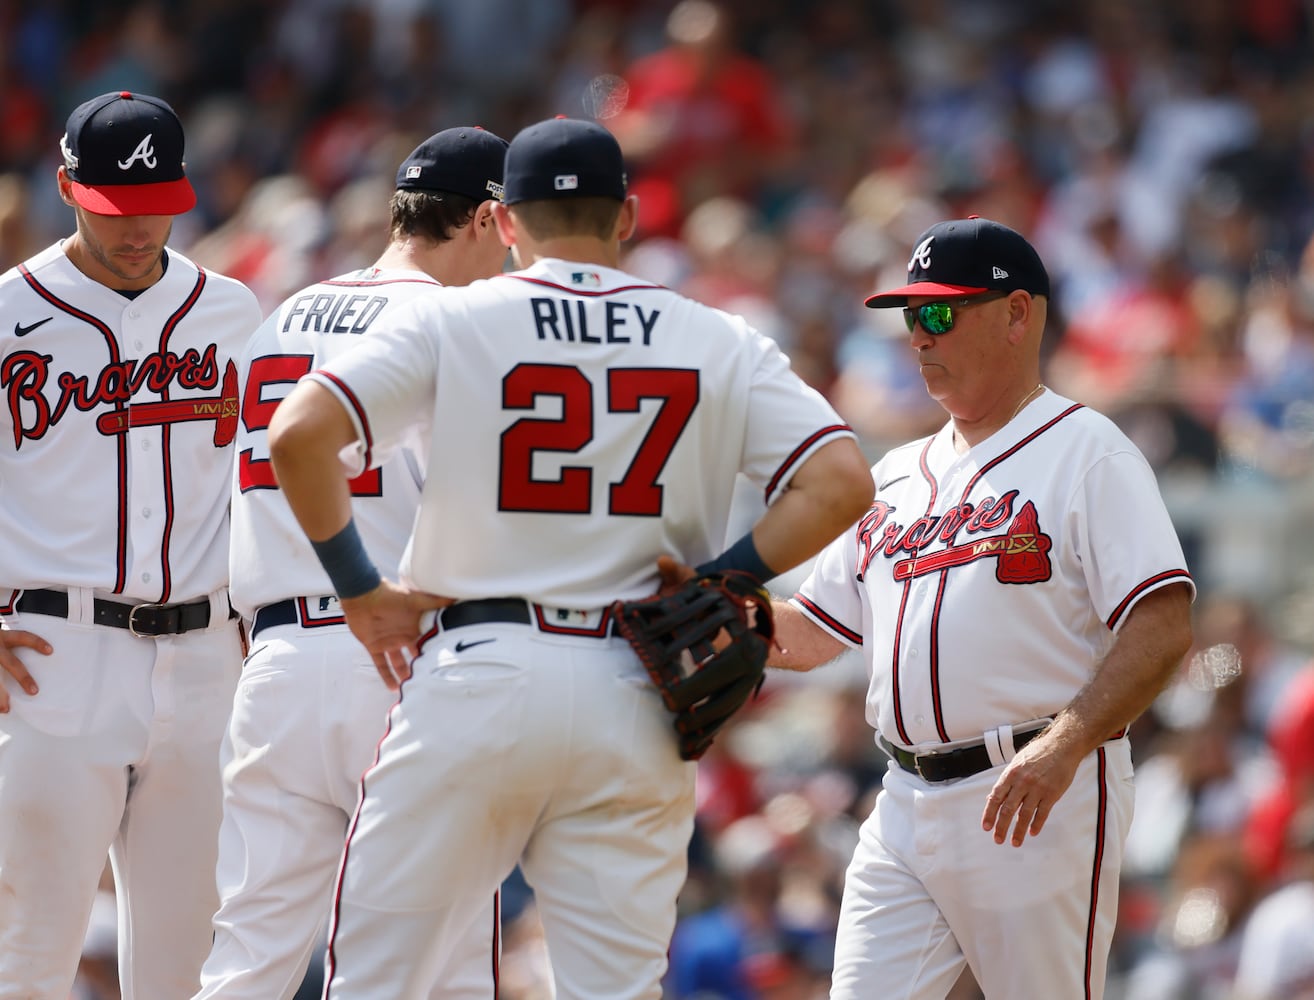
x,y
463,160
564,158
123,153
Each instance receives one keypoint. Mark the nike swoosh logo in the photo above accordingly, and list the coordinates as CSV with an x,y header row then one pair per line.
x,y
890,482
462,646
23,331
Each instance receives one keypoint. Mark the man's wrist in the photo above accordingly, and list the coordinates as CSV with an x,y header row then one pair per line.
x,y
743,557
348,565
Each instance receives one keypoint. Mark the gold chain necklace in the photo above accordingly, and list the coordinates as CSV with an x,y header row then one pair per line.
x,y
1025,399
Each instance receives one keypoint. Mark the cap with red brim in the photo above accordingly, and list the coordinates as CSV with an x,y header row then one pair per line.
x,y
966,257
123,154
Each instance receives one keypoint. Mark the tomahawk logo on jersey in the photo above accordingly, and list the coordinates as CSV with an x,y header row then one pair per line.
x,y
162,396
1022,550
1009,524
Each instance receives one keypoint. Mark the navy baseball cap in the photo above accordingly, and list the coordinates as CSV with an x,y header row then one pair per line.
x,y
124,154
966,257
564,158
465,161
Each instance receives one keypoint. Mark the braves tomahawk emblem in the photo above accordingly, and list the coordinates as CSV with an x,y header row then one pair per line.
x,y
1023,553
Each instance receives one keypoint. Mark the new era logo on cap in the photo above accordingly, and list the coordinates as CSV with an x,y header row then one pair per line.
x,y
123,154
966,257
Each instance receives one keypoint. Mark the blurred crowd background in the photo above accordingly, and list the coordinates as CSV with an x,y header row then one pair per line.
x,y
1159,153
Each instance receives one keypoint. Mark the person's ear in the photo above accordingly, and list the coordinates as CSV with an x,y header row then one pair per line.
x,y
628,219
505,222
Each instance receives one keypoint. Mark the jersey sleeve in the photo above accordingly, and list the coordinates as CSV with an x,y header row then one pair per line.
x,y
1125,538
782,407
831,595
386,383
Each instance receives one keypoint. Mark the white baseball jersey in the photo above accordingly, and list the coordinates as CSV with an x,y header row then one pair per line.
x,y
610,389
310,708
124,410
115,467
581,423
270,559
984,588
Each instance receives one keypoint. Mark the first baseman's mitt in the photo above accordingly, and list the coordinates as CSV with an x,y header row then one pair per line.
x,y
702,682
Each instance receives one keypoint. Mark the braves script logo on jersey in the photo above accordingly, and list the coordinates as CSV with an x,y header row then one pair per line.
x,y
37,402
1022,550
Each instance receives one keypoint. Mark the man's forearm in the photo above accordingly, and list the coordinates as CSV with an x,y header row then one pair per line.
x,y
1146,654
831,491
800,643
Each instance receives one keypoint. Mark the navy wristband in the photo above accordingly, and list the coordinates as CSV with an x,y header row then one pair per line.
x,y
742,556
346,562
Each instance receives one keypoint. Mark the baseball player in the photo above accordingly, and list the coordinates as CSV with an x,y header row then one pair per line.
x,y
119,380
586,421
1020,597
309,708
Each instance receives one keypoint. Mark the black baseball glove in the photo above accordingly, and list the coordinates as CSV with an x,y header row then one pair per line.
x,y
703,681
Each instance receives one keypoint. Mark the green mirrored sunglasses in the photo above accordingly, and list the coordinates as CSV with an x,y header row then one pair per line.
x,y
938,317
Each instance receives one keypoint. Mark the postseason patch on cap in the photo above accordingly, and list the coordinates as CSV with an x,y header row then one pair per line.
x,y
466,160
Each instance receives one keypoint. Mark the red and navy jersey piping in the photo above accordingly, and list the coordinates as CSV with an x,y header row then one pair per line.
x,y
1097,865
782,472
937,699
166,586
572,290
1158,580
121,445
828,620
354,402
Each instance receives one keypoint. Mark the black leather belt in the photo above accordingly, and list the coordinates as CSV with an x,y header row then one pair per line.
x,y
146,620
487,611
962,762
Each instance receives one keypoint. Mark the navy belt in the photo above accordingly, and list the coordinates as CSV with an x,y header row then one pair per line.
x,y
145,620
961,762
487,611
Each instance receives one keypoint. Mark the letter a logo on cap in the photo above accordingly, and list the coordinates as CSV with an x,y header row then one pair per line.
x,y
922,255
144,152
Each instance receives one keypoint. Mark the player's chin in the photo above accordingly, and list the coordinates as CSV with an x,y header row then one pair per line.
x,y
934,375
137,262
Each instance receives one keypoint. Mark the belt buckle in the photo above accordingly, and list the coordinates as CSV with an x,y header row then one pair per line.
x,y
132,620
916,765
